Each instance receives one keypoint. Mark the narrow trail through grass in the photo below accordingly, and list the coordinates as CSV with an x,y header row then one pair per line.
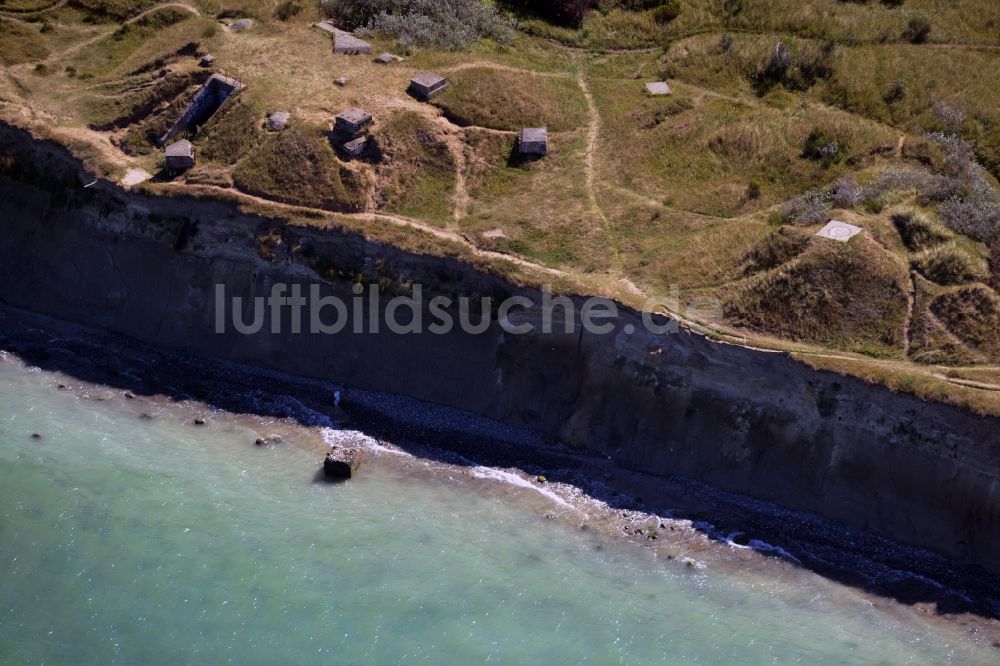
x,y
593,138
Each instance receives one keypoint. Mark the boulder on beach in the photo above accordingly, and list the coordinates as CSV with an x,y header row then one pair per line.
x,y
341,463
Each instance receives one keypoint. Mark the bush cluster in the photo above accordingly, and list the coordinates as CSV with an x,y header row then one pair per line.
x,y
795,71
287,10
812,207
917,31
823,147
563,12
448,24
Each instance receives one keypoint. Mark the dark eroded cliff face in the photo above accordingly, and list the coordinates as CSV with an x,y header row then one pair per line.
x,y
745,421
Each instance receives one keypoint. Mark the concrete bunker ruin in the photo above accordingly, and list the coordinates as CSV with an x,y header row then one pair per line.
x,y
212,95
343,41
533,142
427,84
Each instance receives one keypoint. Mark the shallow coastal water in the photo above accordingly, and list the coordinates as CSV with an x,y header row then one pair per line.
x,y
151,540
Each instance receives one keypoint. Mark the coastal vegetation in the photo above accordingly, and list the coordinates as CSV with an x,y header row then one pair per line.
x,y
783,115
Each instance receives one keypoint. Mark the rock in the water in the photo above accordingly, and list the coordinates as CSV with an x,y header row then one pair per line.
x,y
270,440
741,539
341,463
35,435
199,422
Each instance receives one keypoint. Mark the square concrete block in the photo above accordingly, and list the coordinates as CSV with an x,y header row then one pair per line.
x,y
839,231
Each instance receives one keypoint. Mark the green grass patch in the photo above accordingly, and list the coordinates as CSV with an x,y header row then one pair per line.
x,y
417,173
298,166
901,84
132,100
717,156
507,100
232,132
137,45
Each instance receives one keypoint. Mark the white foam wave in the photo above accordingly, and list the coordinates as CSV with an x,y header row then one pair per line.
x,y
357,439
481,472
770,548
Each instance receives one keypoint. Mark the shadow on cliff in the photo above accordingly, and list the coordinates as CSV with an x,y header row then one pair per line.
x,y
53,180
846,555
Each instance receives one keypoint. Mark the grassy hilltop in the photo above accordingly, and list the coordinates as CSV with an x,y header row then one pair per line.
x,y
784,115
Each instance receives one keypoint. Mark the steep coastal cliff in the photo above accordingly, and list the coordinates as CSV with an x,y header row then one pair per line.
x,y
742,420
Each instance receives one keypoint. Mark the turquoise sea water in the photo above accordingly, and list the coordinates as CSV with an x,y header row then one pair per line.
x,y
137,541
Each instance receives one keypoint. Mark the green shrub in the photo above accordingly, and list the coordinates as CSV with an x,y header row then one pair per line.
x,y
824,147
895,92
456,24
918,30
667,12
287,10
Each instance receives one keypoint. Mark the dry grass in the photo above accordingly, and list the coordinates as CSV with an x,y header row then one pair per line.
x,y
661,248
132,100
845,295
964,21
972,314
775,249
931,343
114,10
525,52
19,43
949,264
23,6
